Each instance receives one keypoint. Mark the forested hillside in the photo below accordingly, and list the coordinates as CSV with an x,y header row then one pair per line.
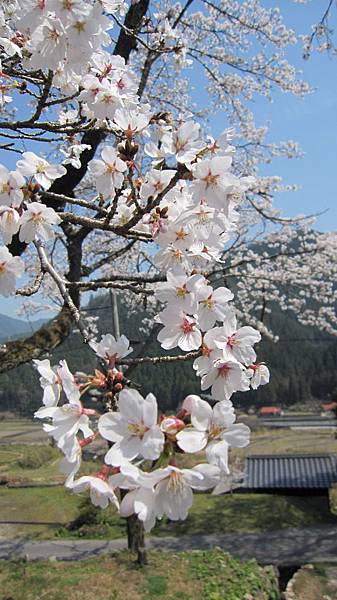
x,y
303,365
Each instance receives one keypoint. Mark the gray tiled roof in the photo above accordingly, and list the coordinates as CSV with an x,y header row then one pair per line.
x,y
290,471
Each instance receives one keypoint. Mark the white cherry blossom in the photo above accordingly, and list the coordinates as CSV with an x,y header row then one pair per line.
x,y
179,330
185,143
141,502
134,429
131,121
213,181
108,172
156,181
11,267
226,376
111,349
180,291
106,101
213,306
101,492
258,374
173,493
44,173
238,342
67,421
68,382
173,259
37,221
209,352
48,44
215,430
49,381
55,379
9,223
11,183
73,154
140,499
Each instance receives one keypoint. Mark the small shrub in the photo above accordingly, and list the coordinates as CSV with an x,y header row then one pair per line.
x,y
94,522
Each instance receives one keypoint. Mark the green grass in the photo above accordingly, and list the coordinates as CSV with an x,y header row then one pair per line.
x,y
197,575
279,441
51,505
250,513
36,463
215,514
237,512
209,514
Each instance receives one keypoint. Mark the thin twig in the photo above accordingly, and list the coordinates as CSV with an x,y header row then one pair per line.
x,y
47,267
159,359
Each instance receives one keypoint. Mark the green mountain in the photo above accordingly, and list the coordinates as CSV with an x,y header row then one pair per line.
x,y
302,364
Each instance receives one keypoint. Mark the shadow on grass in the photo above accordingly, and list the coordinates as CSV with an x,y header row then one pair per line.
x,y
250,512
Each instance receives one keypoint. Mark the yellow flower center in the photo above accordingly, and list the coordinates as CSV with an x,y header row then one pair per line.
x,y
215,431
208,303
181,292
181,234
5,188
138,429
40,167
79,26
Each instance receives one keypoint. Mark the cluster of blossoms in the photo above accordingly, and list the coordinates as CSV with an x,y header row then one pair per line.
x,y
19,214
144,447
186,201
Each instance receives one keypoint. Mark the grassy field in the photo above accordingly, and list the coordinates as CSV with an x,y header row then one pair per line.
x,y
222,514
276,441
38,463
209,514
211,575
54,506
21,430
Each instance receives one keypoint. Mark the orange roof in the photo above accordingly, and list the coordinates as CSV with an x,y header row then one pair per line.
x,y
269,410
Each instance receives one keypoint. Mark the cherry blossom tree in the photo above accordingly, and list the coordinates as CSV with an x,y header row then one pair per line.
x,y
122,189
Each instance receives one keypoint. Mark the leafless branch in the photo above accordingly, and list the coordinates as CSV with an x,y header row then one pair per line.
x,y
31,289
47,267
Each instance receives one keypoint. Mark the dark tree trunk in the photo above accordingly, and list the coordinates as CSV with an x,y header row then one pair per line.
x,y
136,538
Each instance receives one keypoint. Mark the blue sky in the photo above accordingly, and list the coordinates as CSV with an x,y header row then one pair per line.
x,y
312,122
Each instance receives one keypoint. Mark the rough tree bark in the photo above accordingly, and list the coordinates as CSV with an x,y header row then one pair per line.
x,y
136,539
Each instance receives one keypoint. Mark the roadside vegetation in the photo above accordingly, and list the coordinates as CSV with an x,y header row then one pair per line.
x,y
211,575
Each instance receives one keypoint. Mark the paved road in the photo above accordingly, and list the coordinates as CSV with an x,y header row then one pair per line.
x,y
302,422
282,547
